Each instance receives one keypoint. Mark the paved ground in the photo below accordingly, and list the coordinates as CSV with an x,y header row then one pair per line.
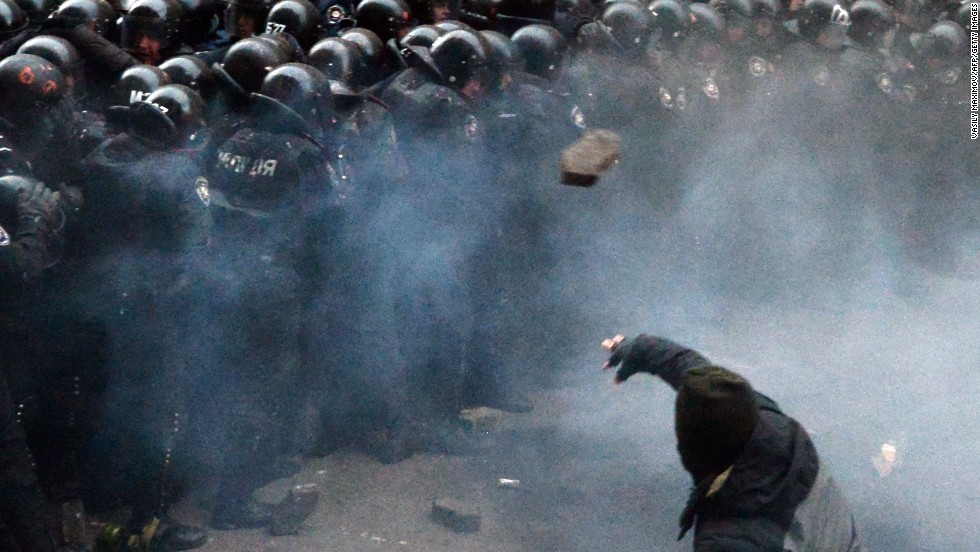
x,y
565,499
598,471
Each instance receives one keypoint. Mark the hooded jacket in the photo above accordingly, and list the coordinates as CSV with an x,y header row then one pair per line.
x,y
777,496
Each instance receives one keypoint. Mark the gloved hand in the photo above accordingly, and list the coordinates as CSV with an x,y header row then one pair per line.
x,y
629,354
105,57
39,210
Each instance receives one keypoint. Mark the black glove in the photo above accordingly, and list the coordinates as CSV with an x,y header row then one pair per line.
x,y
108,59
39,211
632,354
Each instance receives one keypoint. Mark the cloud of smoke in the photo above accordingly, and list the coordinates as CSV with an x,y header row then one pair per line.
x,y
837,275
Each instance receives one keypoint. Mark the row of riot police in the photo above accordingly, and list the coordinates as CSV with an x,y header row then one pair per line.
x,y
236,233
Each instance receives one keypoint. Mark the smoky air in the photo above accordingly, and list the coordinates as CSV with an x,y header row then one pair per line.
x,y
826,249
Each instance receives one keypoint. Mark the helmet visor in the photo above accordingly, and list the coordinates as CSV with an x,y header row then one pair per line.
x,y
145,37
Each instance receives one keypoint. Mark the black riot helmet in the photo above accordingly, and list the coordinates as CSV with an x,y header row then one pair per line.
x,y
173,114
607,3
294,94
670,20
137,83
461,57
629,23
29,85
372,53
98,15
423,35
12,19
150,29
706,23
288,44
198,21
36,10
452,25
339,59
817,16
299,18
542,48
121,6
28,79
63,55
503,51
192,72
247,62
389,19
870,20
945,41
504,58
372,49
246,18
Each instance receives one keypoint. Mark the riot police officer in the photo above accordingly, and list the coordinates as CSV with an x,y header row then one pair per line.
x,y
35,117
150,30
298,18
268,179
30,217
32,227
149,219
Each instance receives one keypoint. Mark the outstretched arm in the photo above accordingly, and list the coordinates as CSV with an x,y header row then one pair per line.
x,y
651,354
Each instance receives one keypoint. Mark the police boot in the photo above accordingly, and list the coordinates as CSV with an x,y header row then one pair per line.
x,y
166,536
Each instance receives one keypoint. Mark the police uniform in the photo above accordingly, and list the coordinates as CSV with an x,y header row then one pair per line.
x,y
27,240
428,114
266,182
148,226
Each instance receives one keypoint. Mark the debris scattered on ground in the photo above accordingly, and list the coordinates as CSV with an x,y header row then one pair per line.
x,y
376,538
583,162
886,460
455,515
298,505
481,418
508,483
